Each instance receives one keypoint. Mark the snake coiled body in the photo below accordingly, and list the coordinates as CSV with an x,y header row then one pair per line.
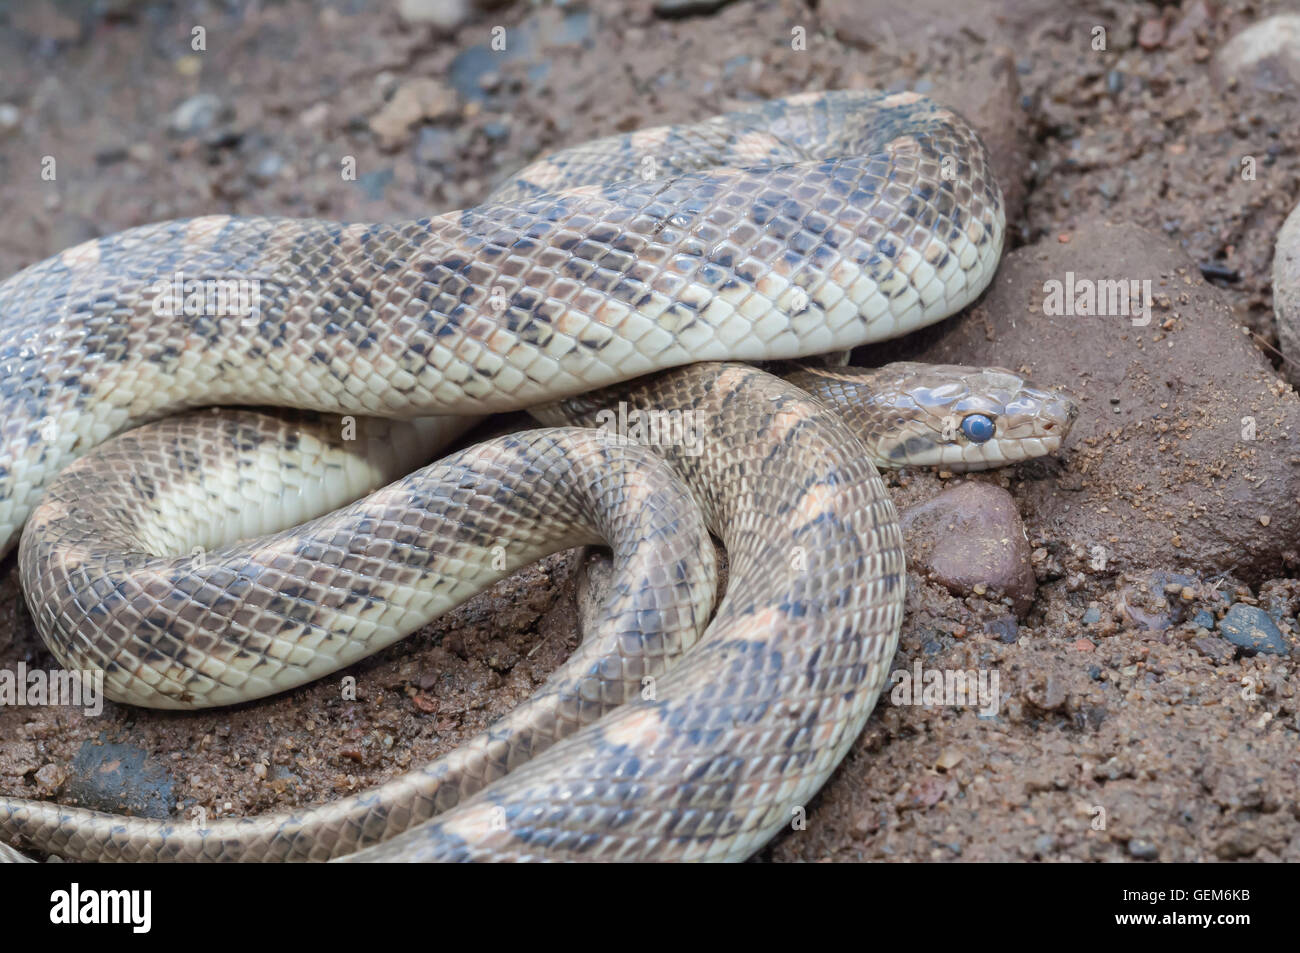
x,y
792,228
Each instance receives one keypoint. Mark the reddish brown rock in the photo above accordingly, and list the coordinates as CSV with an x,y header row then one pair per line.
x,y
970,540
1152,33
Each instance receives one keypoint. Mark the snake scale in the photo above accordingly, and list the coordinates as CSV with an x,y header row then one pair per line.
x,y
617,273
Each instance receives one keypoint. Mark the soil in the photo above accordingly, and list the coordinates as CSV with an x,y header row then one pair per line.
x,y
1130,726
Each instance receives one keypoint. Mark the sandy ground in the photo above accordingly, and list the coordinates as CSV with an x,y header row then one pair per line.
x,y
1128,729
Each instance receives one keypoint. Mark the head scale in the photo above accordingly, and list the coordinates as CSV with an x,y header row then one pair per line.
x,y
964,418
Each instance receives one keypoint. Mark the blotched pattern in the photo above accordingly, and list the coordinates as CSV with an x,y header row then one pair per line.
x,y
756,453
252,618
793,228
796,227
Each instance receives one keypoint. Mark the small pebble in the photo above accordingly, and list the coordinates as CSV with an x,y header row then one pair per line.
x,y
1005,629
444,14
949,759
1252,630
50,778
1151,34
267,168
435,145
197,114
688,8
1143,849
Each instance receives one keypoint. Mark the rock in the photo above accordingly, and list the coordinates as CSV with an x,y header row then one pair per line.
x,y
119,778
1237,842
314,115
435,145
1185,435
1215,649
1253,631
1158,603
444,14
198,114
10,117
688,8
1140,616
1197,17
188,66
111,153
528,41
1112,769
1204,619
1143,849
1286,294
1053,696
50,777
1152,33
1006,629
1265,55
864,823
414,101
267,168
374,183
470,65
970,540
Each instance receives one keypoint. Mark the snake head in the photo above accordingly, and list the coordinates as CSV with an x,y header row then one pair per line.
x,y
964,418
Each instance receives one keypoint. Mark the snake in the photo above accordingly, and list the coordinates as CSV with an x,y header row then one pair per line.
x,y
213,504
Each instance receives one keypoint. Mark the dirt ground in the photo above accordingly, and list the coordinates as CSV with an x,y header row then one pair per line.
x,y
1130,727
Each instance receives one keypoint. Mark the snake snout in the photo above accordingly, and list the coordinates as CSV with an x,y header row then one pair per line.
x,y
1060,412
1037,421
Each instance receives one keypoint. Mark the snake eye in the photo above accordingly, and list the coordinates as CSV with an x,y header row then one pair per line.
x,y
977,428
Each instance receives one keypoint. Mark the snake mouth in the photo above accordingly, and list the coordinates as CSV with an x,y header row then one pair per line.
x,y
1008,452
965,457
1051,443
